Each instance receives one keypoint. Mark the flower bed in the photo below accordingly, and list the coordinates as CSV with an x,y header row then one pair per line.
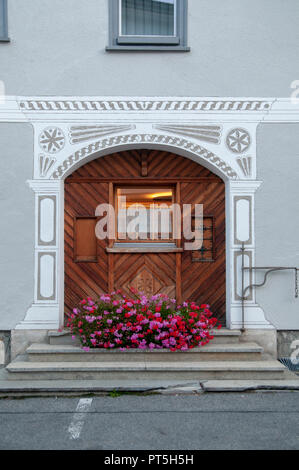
x,y
116,322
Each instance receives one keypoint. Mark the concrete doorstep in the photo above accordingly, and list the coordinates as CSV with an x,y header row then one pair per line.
x,y
24,388
60,367
249,385
77,387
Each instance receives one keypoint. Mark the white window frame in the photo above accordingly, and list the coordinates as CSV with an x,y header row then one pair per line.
x,y
119,42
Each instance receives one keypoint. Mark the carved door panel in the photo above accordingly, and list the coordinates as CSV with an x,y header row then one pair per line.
x,y
150,273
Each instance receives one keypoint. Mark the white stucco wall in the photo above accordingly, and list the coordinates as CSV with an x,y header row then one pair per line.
x,y
17,223
238,48
277,220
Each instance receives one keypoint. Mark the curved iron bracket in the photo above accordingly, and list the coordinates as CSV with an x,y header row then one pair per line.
x,y
268,270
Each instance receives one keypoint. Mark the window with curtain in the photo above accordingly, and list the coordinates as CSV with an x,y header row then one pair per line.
x,y
148,25
3,21
148,17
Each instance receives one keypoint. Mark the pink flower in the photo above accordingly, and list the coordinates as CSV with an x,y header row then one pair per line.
x,y
184,328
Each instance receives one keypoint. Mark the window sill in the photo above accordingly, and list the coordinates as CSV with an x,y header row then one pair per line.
x,y
4,39
144,248
148,40
84,259
147,48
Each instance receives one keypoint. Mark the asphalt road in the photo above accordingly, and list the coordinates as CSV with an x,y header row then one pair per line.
x,y
186,422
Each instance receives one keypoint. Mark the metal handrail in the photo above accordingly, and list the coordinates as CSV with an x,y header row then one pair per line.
x,y
269,270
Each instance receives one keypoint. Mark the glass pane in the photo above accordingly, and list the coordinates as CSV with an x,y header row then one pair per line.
x,y
145,213
148,17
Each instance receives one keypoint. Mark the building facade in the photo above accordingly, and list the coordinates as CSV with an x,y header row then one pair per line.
x,y
197,99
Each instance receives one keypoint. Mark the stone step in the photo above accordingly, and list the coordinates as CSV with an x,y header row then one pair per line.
x,y
210,352
23,388
136,371
62,337
250,385
220,337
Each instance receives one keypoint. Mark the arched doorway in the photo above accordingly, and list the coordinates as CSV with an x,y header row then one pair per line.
x,y
94,266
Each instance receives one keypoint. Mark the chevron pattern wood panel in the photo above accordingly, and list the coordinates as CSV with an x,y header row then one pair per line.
x,y
151,272
206,282
83,279
128,165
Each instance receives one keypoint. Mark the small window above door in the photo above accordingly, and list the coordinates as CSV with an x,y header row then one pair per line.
x,y
144,214
148,25
145,219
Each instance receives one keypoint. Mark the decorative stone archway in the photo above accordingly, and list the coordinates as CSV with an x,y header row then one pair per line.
x,y
219,135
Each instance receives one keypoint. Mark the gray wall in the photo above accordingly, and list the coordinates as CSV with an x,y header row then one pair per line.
x,y
277,220
238,48
17,223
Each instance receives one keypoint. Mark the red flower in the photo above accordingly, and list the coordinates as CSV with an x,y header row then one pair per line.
x,y
168,323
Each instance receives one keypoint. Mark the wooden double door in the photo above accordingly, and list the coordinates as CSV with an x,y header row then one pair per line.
x,y
94,266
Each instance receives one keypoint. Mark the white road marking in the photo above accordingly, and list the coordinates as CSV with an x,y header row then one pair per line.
x,y
77,423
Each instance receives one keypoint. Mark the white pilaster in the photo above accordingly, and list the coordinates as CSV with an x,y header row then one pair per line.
x,y
45,312
241,200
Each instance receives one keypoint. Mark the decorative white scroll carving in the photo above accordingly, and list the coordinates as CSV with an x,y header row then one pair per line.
x,y
243,216
145,105
146,139
46,276
80,134
238,140
205,133
45,165
52,140
47,220
69,112
245,163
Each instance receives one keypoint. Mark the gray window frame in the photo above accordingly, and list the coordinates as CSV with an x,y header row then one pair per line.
x,y
3,21
176,43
